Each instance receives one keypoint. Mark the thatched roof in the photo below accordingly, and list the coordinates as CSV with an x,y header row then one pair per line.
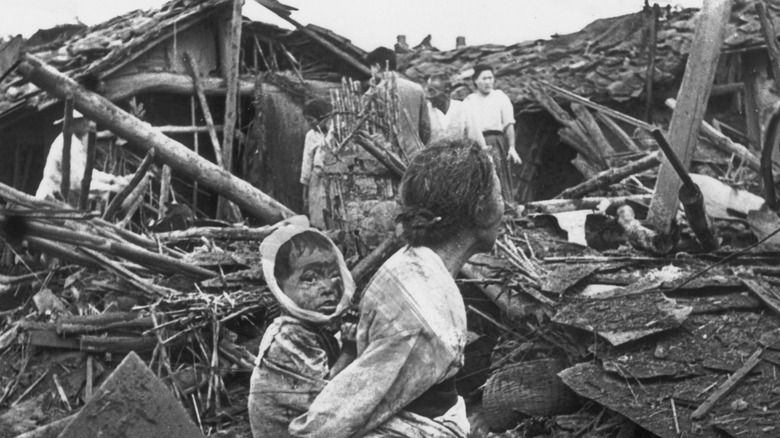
x,y
607,60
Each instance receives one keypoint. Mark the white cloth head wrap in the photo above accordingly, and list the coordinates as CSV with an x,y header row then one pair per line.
x,y
268,250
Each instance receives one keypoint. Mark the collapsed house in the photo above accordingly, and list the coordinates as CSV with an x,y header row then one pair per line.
x,y
143,61
578,322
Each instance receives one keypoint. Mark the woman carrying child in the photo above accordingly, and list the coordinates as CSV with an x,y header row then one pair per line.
x,y
412,327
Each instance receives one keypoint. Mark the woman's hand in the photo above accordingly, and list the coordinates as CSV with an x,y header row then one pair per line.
x,y
514,157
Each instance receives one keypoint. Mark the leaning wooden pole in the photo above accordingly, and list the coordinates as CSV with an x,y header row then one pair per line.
x,y
691,103
142,134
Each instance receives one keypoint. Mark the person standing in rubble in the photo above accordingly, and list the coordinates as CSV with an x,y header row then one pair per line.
x,y
314,197
412,328
495,118
414,130
448,119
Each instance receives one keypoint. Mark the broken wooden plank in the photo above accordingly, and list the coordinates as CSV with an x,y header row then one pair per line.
x,y
692,102
766,294
728,385
171,152
116,203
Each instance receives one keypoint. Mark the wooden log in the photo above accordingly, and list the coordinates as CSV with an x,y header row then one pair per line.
x,y
154,261
17,197
73,329
552,206
724,143
124,87
624,138
611,176
116,344
593,130
692,102
143,135
641,237
224,233
60,251
67,140
204,106
728,386
384,156
138,176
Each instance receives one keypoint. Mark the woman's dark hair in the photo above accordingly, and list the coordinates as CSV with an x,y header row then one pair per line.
x,y
298,244
317,109
382,56
479,68
446,188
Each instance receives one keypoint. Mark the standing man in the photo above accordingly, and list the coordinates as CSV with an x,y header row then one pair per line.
x,y
414,129
447,116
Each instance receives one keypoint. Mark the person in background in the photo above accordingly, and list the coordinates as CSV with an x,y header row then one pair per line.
x,y
316,113
411,332
299,352
414,130
495,118
447,116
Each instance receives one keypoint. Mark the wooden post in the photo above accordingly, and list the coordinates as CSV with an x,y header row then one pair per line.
x,y
232,66
774,60
652,41
67,138
692,102
204,106
753,74
169,151
196,148
165,188
86,180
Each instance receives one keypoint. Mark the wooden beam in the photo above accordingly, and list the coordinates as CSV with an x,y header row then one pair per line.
x,y
124,87
692,100
169,151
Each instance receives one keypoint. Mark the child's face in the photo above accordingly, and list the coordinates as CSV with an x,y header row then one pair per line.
x,y
315,281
